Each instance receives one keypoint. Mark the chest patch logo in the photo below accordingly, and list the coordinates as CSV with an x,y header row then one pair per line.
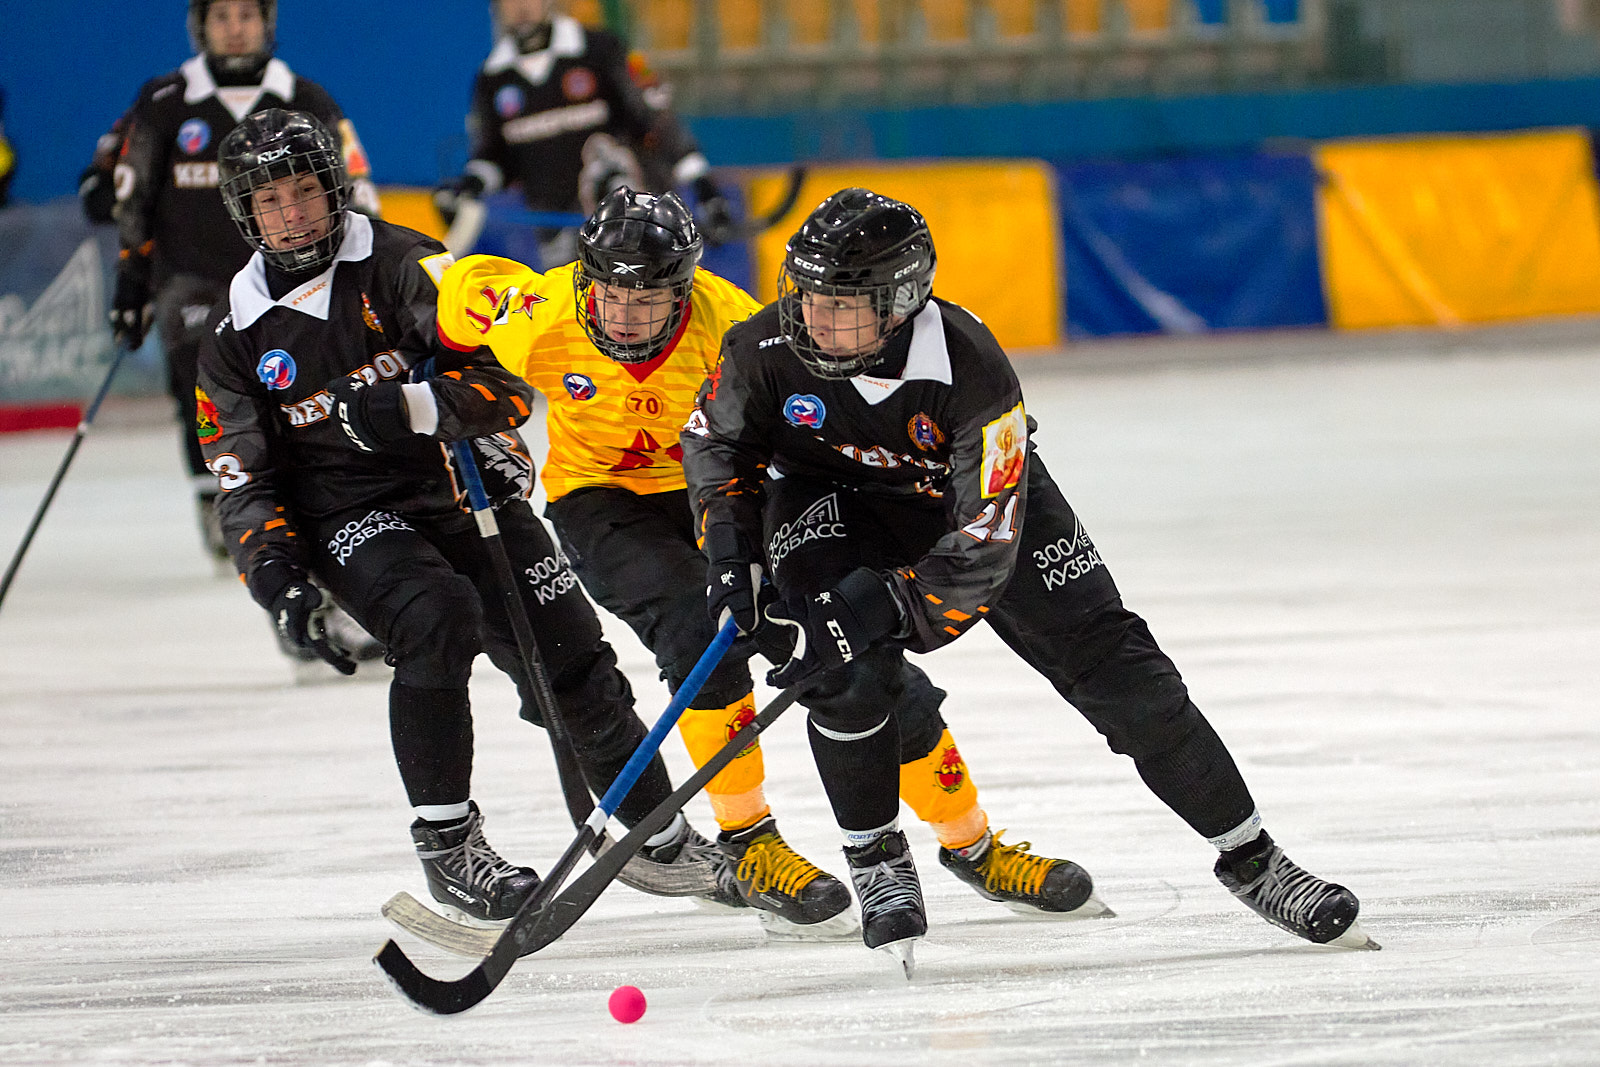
x,y
369,316
1005,443
207,423
805,411
276,369
647,404
578,84
924,432
579,386
508,101
193,136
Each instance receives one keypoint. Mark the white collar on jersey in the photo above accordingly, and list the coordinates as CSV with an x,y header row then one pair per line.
x,y
567,41
249,298
928,360
240,100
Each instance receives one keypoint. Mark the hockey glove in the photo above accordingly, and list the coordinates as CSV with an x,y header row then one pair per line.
x,y
834,627
447,196
715,213
130,311
298,609
372,416
734,583
97,193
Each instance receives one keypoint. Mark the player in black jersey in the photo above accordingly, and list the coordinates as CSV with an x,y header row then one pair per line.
x,y
568,113
334,477
179,248
873,438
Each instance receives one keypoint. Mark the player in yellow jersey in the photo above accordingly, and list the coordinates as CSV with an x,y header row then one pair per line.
x,y
619,343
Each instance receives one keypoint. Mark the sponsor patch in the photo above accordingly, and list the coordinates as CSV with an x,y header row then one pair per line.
x,y
207,425
579,386
924,432
352,535
508,101
1005,445
193,136
820,520
805,411
276,369
578,84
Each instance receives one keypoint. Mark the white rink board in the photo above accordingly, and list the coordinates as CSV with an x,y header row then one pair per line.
x,y
1377,564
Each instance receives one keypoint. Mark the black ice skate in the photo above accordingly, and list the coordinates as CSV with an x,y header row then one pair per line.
x,y
1024,882
795,900
892,916
466,875
694,854
1275,888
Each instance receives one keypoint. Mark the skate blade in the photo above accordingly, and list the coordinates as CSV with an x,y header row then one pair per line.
x,y
903,953
1093,908
1356,938
841,927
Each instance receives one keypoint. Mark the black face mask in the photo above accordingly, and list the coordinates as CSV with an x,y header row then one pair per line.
x,y
238,70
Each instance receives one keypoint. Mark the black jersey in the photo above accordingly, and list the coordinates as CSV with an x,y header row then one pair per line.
x,y
264,417
532,114
949,429
169,210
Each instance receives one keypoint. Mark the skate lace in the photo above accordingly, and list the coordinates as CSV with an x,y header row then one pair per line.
x,y
476,862
769,862
1010,869
886,886
1289,892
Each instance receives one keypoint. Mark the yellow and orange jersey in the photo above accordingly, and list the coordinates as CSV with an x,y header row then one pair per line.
x,y
610,423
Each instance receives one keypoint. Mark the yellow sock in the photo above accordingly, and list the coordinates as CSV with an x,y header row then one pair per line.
x,y
938,788
736,796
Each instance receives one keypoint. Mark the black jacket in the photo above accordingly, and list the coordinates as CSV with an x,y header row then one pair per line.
x,y
950,430
264,416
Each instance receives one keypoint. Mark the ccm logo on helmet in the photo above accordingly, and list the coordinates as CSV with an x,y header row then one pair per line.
x,y
814,268
903,271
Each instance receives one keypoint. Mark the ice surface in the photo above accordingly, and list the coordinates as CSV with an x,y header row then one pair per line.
x,y
1378,565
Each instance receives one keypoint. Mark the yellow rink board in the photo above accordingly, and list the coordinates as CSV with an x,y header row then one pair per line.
x,y
411,207
1448,230
994,227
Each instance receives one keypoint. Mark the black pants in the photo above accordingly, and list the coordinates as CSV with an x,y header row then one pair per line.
x,y
638,559
1061,613
181,309
425,587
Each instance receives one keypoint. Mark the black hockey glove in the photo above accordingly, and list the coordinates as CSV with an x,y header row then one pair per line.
x,y
715,213
447,196
734,584
834,627
98,194
130,310
372,416
297,609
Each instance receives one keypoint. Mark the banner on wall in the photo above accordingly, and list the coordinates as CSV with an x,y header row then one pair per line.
x,y
1190,244
1441,231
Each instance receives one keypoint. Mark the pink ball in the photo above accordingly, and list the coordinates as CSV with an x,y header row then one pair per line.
x,y
626,1004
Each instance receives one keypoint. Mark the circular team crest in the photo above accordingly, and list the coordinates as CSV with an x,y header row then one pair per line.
x,y
579,386
193,136
276,369
578,84
952,771
805,410
508,101
647,404
924,432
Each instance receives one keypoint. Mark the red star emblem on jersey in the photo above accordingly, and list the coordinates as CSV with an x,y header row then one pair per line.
x,y
638,455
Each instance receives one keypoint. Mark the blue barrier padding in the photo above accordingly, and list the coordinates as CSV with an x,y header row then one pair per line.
x,y
1190,244
1211,12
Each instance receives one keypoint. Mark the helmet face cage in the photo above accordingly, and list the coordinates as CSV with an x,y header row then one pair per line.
x,y
197,34
268,147
636,261
855,245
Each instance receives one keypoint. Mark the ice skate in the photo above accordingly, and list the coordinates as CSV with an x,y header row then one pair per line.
x,y
468,877
688,847
1022,881
1273,886
892,915
795,899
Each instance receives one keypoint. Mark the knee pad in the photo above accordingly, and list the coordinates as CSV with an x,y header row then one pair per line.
x,y
436,635
858,696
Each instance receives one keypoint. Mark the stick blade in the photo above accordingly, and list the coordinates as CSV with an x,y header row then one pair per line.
x,y
430,994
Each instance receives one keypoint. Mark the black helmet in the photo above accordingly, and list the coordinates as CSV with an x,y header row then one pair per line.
x,y
637,241
856,243
267,147
238,65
